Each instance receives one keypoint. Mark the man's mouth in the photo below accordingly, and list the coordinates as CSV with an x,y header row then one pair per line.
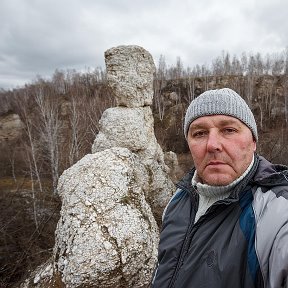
x,y
215,163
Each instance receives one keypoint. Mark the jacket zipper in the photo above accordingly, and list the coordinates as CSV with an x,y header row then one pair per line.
x,y
186,240
192,229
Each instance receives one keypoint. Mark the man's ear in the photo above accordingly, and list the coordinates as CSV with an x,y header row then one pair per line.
x,y
255,145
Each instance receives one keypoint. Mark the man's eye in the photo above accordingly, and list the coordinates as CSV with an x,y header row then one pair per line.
x,y
229,130
198,134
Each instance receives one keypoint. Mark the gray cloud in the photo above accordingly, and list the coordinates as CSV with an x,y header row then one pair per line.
x,y
40,36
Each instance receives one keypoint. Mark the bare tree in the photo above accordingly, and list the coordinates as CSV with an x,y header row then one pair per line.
x,y
252,65
190,87
50,127
278,64
34,199
30,139
285,90
286,61
217,66
267,65
236,68
33,142
250,89
226,63
159,83
259,66
75,141
179,69
244,62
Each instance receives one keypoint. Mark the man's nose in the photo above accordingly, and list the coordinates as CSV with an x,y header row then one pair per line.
x,y
214,143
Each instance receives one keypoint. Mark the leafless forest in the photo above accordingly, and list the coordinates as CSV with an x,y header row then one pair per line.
x,y
58,120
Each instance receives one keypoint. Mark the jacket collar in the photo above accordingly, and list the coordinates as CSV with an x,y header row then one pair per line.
x,y
269,174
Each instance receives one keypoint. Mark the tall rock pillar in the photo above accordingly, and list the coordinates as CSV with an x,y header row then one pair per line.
x,y
130,71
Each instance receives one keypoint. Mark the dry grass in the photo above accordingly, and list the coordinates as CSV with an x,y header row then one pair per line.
x,y
11,184
23,244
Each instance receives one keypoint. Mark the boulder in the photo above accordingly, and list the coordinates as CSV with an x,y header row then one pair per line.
x,y
107,235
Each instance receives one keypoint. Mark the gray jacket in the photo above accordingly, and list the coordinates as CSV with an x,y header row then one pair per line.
x,y
240,242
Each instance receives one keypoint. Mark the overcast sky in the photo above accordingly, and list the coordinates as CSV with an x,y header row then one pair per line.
x,y
40,36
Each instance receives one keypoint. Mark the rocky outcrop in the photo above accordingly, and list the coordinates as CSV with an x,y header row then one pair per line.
x,y
107,235
11,127
131,124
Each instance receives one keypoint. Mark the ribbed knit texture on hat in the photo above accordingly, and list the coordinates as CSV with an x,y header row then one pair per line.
x,y
220,102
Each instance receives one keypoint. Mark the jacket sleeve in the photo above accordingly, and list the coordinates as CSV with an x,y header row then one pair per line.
x,y
271,243
278,261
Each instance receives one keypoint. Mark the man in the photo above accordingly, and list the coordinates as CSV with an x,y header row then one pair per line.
x,y
227,223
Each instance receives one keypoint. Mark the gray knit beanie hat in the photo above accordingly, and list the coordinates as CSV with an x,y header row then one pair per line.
x,y
220,102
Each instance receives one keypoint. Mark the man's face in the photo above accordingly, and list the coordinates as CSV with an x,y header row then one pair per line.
x,y
222,148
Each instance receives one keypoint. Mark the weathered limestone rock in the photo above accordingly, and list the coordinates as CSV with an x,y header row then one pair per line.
x,y
171,160
42,277
107,235
132,128
130,72
123,127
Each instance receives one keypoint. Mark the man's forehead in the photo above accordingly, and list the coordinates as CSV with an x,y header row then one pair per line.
x,y
220,120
